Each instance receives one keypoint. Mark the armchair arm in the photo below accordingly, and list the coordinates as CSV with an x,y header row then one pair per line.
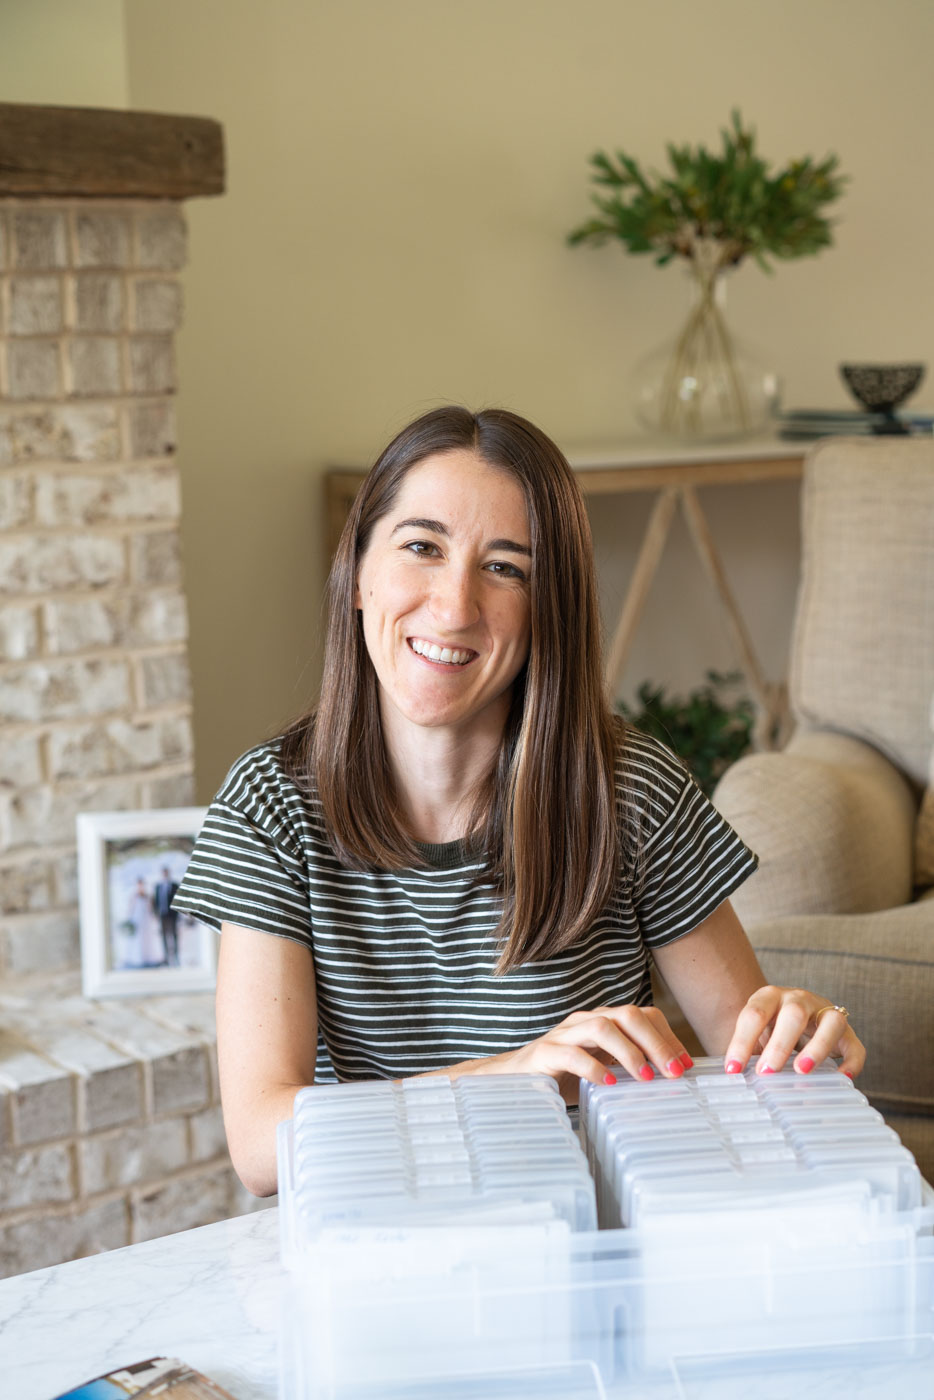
x,y
881,967
832,822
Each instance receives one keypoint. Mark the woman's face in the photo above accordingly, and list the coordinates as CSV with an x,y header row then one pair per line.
x,y
443,589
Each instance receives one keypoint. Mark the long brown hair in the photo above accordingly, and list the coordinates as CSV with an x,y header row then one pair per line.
x,y
545,822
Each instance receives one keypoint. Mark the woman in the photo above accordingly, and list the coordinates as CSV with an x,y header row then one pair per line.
x,y
461,861
136,926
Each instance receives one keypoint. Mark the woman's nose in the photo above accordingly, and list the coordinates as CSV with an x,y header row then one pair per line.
x,y
454,598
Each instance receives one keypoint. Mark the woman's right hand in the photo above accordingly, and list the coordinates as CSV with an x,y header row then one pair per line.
x,y
582,1045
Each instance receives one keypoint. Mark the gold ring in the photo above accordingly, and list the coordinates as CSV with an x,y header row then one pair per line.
x,y
842,1010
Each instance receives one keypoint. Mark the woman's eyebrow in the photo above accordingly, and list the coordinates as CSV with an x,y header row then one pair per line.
x,y
437,527
510,546
418,524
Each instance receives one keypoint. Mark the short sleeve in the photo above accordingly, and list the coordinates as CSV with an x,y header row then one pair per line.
x,y
247,867
691,859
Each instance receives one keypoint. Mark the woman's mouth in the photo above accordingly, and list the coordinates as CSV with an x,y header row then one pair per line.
x,y
445,656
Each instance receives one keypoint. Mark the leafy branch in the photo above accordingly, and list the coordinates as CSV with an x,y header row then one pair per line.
x,y
730,198
708,730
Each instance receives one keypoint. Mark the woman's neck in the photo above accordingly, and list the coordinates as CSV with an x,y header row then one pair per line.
x,y
437,773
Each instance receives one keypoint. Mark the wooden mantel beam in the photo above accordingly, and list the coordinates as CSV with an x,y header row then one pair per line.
x,y
101,153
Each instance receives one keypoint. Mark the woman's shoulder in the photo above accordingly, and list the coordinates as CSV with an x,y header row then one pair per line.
x,y
650,777
260,787
259,767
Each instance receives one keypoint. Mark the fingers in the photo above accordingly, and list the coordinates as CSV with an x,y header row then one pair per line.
x,y
789,1026
636,1037
752,1026
833,1036
776,1020
853,1051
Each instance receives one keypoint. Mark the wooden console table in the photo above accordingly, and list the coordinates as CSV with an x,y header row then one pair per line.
x,y
672,471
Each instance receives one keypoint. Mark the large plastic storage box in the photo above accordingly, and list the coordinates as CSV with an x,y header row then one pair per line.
x,y
818,1280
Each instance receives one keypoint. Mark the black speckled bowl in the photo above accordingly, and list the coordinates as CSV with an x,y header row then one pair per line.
x,y
881,388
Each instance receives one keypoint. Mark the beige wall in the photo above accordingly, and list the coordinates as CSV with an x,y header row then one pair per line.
x,y
65,53
401,176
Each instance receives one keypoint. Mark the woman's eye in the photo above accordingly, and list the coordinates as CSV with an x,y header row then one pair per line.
x,y
505,570
421,547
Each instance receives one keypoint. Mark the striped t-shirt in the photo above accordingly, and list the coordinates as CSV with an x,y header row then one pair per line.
x,y
404,959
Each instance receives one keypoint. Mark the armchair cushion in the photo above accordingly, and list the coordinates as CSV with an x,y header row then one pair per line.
x,y
924,837
924,847
832,822
862,659
881,967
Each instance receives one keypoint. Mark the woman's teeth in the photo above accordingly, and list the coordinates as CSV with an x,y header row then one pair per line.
x,y
448,655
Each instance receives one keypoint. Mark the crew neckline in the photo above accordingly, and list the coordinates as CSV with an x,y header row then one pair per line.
x,y
444,856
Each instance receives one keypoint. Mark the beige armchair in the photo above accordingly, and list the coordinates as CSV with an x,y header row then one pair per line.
x,y
843,818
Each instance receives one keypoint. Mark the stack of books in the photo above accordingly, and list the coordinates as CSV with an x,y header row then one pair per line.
x,y
801,424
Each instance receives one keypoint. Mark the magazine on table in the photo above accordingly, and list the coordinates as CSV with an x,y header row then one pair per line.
x,y
158,1376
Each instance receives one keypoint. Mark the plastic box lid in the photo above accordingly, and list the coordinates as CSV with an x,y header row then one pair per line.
x,y
416,1152
710,1141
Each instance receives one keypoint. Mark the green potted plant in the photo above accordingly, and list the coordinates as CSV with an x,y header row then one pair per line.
x,y
709,730
713,210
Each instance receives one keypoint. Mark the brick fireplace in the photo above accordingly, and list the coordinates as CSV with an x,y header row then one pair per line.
x,y
109,1121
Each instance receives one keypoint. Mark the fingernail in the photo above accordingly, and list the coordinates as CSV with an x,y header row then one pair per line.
x,y
609,1078
686,1060
848,1073
733,1067
675,1068
804,1063
646,1072
766,1069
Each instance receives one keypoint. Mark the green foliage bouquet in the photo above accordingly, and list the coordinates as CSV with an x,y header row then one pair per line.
x,y
713,209
731,198
710,729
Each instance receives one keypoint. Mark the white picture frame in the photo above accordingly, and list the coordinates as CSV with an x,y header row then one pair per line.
x,y
129,947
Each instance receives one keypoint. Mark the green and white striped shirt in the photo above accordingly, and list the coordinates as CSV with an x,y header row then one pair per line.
x,y
404,959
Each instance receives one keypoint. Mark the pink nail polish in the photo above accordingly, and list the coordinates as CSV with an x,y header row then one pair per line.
x,y
805,1064
766,1069
675,1068
646,1072
609,1078
686,1060
733,1067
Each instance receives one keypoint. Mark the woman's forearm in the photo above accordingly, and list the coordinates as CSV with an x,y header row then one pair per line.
x,y
251,1136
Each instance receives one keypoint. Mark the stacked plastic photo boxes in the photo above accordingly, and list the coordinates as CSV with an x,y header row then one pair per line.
x,y
711,1141
427,1152
760,1233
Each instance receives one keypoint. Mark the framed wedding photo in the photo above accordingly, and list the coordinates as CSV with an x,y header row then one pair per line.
x,y
132,941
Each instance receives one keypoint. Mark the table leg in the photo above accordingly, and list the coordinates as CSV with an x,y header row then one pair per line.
x,y
646,565
772,699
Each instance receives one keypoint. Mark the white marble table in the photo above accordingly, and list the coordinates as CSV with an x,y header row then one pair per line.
x,y
209,1296
212,1297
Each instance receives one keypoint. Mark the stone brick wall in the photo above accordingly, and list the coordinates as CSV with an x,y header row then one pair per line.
x,y
110,1123
94,684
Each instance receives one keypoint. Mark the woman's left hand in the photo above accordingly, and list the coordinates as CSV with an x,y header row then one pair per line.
x,y
774,1020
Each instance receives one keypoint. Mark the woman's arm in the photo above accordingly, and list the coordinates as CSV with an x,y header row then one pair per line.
x,y
267,1036
584,1043
712,972
267,1030
715,978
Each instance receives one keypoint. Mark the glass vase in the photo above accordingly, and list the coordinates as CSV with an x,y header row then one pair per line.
x,y
705,385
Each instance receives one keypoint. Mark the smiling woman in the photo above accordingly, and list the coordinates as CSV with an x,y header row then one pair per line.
x,y
460,861
443,595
